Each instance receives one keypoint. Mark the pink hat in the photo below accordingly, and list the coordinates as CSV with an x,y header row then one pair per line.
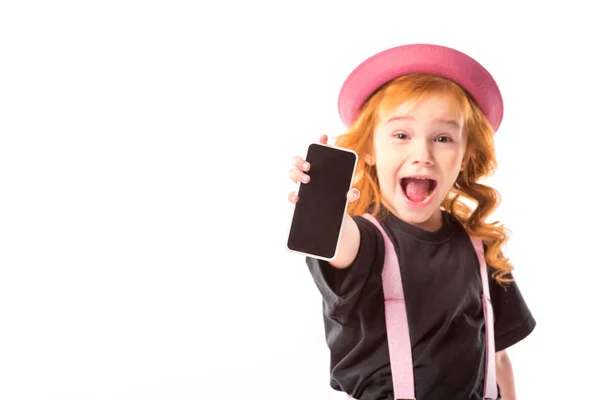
x,y
383,67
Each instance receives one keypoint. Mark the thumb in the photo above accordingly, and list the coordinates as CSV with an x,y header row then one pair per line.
x,y
353,195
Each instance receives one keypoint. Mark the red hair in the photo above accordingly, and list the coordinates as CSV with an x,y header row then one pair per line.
x,y
469,201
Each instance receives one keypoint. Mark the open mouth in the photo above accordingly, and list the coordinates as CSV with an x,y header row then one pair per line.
x,y
418,189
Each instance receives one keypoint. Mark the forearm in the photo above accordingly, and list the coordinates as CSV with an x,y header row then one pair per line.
x,y
505,376
349,244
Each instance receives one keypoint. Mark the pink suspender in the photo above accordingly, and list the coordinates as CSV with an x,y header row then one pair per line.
x,y
396,321
490,388
400,348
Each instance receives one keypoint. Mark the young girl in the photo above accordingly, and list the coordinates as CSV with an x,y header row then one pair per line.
x,y
407,311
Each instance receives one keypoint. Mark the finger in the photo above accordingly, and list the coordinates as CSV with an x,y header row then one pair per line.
x,y
299,163
353,195
293,197
298,176
323,139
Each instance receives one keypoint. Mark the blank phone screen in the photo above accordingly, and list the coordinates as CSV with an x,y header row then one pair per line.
x,y
320,210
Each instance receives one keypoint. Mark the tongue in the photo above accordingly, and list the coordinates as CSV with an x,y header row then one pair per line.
x,y
417,189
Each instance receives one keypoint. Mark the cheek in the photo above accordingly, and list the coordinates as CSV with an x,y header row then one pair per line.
x,y
387,171
389,160
452,164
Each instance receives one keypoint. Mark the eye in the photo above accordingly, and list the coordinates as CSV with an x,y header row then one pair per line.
x,y
443,139
400,135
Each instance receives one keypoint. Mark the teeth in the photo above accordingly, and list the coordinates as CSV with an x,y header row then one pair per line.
x,y
418,177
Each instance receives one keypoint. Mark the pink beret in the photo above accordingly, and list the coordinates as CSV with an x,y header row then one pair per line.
x,y
383,67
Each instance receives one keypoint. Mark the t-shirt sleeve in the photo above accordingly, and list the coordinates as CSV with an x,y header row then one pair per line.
x,y
341,288
513,321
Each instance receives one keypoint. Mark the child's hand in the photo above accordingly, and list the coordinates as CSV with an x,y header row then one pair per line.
x,y
297,174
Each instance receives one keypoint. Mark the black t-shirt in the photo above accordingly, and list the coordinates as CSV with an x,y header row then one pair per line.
x,y
442,287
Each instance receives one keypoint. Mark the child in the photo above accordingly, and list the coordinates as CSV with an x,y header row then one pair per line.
x,y
422,120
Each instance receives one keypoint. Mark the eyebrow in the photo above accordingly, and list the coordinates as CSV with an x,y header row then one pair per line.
x,y
445,121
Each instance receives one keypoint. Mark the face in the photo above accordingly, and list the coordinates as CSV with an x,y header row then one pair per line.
x,y
418,152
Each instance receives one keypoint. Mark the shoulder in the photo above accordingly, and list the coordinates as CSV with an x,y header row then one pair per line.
x,y
368,225
341,288
513,318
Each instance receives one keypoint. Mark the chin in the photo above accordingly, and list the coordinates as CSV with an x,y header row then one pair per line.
x,y
418,215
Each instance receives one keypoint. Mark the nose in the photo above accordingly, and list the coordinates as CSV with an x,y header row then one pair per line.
x,y
421,153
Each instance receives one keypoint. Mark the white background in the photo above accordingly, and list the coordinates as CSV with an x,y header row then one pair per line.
x,y
144,155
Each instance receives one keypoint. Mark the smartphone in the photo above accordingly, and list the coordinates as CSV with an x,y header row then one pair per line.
x,y
318,215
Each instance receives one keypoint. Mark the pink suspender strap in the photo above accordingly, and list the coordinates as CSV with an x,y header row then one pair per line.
x,y
490,390
396,321
400,348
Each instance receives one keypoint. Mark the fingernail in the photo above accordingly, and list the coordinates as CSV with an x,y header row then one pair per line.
x,y
305,166
305,178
